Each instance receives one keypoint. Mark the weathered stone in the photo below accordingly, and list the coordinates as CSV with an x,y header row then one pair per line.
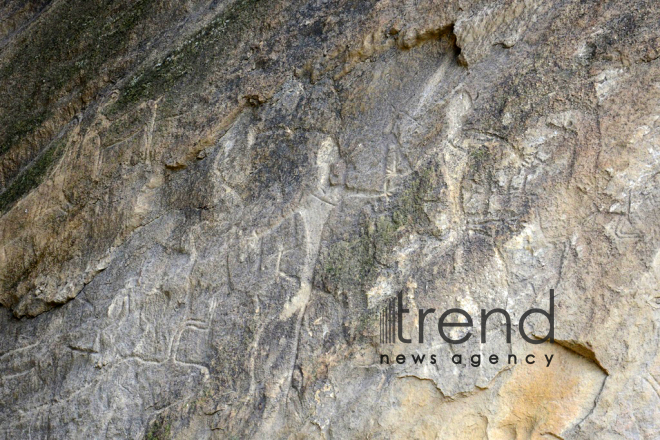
x,y
205,206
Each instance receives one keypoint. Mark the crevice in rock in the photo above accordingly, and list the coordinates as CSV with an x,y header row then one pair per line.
x,y
583,349
415,37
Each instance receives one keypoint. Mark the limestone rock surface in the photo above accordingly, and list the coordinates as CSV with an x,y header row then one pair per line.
x,y
205,205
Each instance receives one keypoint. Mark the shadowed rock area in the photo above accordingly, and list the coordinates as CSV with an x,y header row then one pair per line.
x,y
206,204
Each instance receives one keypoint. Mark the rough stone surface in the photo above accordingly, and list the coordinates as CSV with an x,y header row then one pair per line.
x,y
205,205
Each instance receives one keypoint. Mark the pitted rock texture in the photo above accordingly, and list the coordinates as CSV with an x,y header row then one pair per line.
x,y
205,205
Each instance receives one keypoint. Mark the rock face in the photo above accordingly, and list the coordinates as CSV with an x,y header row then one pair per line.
x,y
205,206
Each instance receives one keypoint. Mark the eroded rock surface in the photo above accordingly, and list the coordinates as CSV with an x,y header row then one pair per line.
x,y
205,206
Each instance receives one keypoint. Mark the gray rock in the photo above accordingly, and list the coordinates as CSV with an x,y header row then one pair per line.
x,y
206,207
